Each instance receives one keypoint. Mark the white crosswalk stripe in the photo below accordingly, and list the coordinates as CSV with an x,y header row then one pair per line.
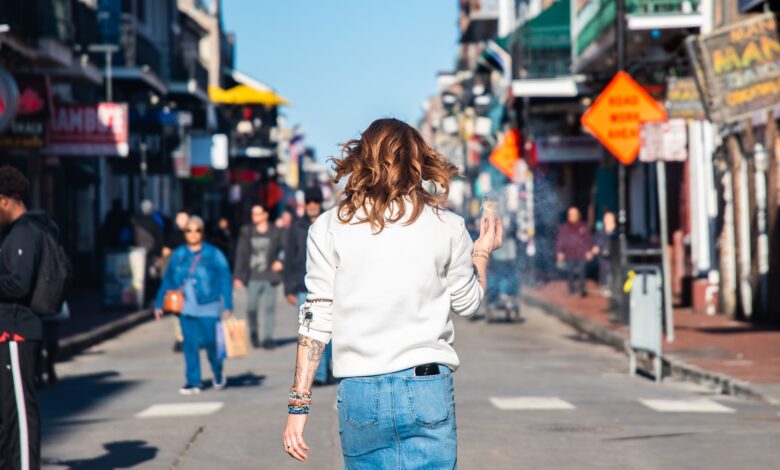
x,y
531,403
701,405
166,410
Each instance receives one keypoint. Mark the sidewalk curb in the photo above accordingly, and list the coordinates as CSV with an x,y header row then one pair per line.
x,y
75,344
721,383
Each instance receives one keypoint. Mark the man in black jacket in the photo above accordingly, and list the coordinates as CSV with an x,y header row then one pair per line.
x,y
21,330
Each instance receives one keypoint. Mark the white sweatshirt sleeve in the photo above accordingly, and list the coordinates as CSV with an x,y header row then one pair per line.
x,y
465,291
321,263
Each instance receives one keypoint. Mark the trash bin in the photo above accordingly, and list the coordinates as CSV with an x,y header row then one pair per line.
x,y
645,288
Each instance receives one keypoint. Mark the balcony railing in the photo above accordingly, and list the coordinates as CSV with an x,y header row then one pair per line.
x,y
546,51
662,7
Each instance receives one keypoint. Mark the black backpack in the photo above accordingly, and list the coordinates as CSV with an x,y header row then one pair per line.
x,y
52,277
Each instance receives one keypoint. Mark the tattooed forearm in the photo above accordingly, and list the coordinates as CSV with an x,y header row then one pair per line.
x,y
309,355
480,270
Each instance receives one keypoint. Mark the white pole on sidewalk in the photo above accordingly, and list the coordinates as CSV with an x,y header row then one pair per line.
x,y
667,276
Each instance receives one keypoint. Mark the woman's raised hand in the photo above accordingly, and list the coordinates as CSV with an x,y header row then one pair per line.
x,y
491,235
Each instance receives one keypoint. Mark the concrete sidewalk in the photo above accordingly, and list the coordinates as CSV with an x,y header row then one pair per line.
x,y
735,358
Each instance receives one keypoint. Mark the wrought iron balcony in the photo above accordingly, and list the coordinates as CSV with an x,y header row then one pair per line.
x,y
545,51
662,7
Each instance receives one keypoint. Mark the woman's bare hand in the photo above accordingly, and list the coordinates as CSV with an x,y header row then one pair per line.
x,y
293,438
491,235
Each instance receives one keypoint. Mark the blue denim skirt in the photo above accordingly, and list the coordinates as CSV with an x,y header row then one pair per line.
x,y
398,421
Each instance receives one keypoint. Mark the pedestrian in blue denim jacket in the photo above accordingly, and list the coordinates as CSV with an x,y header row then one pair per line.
x,y
201,272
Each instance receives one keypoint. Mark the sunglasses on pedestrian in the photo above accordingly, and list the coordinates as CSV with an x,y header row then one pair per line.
x,y
193,230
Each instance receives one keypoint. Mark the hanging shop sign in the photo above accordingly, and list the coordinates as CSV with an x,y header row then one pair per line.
x,y
9,98
664,141
683,99
28,129
615,116
89,130
742,68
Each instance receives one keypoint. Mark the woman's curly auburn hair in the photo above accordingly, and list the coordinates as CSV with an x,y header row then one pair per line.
x,y
390,162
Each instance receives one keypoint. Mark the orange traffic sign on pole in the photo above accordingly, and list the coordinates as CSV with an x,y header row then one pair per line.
x,y
506,154
615,116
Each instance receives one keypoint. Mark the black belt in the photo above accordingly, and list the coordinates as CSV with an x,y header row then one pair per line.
x,y
427,369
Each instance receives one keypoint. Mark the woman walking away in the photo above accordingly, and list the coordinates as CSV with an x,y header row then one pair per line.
x,y
384,270
201,272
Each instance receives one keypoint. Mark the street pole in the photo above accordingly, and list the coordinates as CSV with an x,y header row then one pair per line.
x,y
620,35
144,168
667,276
108,50
761,164
109,85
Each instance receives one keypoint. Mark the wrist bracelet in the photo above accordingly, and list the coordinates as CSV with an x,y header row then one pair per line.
x,y
480,254
298,402
298,409
296,395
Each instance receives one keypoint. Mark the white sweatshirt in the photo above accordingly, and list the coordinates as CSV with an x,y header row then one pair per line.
x,y
392,292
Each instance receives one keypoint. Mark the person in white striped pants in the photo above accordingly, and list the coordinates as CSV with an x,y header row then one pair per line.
x,y
21,330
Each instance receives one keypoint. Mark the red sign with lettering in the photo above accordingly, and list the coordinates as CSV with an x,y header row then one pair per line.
x,y
89,129
615,116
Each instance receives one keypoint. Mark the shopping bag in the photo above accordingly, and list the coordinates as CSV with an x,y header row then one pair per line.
x,y
234,337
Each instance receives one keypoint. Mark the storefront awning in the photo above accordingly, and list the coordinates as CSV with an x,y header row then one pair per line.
x,y
245,95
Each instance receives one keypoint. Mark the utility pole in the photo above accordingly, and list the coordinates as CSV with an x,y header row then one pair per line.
x,y
761,164
108,50
144,170
620,38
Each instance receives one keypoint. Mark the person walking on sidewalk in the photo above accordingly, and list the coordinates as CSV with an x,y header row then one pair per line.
x,y
258,271
21,329
573,249
295,268
201,271
384,269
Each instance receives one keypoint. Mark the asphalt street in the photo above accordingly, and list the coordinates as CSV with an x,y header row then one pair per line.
x,y
532,395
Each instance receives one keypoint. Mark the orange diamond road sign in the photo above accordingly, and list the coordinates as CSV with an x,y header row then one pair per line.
x,y
506,154
615,116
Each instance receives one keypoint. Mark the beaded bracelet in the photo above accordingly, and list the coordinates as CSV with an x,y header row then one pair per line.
x,y
480,254
298,402
298,409
299,396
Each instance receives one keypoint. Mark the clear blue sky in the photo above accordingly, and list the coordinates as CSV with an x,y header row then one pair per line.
x,y
344,63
